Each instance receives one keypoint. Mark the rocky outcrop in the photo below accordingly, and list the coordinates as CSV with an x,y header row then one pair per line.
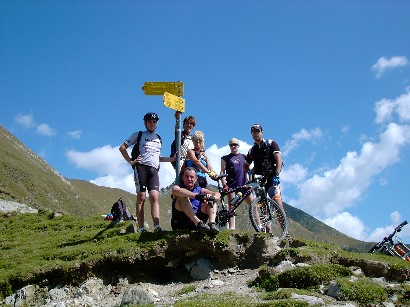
x,y
211,267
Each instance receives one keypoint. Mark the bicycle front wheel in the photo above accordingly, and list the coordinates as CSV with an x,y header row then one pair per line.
x,y
267,216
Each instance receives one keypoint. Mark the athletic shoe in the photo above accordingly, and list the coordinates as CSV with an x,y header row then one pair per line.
x,y
213,228
158,229
142,229
202,227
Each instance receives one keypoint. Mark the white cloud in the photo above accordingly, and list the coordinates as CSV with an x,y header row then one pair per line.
x,y
46,130
303,135
113,171
76,134
335,190
26,120
294,174
347,224
385,109
102,160
384,64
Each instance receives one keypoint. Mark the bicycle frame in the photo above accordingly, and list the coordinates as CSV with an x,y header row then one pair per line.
x,y
254,185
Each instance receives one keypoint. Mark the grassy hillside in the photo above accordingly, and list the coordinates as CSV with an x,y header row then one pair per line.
x,y
28,179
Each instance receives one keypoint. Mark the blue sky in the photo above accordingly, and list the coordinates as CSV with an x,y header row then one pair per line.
x,y
328,80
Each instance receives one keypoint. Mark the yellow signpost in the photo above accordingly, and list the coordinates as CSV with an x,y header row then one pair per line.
x,y
174,102
159,88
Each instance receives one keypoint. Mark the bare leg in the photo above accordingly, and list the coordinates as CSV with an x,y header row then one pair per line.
x,y
140,208
211,211
153,199
184,205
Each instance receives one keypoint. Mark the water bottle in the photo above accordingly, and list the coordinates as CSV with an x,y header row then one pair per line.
x,y
236,198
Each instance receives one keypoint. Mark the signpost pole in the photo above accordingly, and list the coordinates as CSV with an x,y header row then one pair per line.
x,y
178,144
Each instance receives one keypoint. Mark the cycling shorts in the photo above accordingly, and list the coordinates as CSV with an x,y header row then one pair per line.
x,y
146,178
180,221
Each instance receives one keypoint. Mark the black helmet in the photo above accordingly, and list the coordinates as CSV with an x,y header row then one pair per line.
x,y
151,115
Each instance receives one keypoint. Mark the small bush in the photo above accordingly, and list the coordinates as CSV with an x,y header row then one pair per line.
x,y
362,291
304,278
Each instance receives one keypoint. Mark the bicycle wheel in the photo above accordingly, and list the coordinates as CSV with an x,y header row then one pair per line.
x,y
267,216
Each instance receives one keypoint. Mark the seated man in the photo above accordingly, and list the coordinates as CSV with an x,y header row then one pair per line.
x,y
190,206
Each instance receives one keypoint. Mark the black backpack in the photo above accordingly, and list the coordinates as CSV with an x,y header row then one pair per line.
x,y
120,212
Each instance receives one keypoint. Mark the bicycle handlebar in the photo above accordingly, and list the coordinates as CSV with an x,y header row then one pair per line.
x,y
389,237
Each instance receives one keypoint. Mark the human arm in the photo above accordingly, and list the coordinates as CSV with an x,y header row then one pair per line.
x,y
124,153
279,163
191,156
182,192
167,159
210,172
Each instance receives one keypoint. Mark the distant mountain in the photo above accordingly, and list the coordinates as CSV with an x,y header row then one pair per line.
x,y
28,179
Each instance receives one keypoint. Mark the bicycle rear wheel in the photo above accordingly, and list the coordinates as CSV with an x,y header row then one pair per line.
x,y
267,216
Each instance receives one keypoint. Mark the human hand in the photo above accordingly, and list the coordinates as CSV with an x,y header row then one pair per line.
x,y
225,188
213,175
276,180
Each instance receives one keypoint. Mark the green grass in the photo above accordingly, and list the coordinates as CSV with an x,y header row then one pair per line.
x,y
67,250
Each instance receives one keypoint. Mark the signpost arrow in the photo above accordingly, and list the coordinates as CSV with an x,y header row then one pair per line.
x,y
174,102
159,88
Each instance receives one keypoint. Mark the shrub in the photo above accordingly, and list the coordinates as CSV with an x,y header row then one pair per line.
x,y
304,278
362,291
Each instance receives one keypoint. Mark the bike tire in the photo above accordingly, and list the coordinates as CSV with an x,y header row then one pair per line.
x,y
269,213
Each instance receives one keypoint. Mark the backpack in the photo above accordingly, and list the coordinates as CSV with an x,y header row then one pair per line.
x,y
136,149
120,212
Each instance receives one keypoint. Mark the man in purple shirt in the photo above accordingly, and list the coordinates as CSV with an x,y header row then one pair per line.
x,y
233,166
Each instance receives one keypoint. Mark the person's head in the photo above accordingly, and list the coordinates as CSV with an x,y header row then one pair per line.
x,y
189,124
189,177
151,121
257,132
199,140
234,145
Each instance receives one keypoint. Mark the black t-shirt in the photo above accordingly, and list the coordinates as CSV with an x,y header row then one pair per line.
x,y
262,156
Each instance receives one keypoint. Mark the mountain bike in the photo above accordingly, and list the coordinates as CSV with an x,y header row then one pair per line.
x,y
264,213
392,245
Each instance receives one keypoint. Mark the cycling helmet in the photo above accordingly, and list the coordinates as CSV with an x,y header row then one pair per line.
x,y
151,115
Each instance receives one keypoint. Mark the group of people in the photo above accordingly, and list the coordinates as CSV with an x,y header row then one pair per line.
x,y
192,208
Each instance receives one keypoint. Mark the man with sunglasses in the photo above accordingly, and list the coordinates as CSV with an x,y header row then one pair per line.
x,y
233,166
266,157
146,166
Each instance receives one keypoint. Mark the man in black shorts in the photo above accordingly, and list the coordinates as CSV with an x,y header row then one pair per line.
x,y
146,167
190,206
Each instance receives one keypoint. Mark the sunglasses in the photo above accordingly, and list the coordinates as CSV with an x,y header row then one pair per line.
x,y
232,145
256,131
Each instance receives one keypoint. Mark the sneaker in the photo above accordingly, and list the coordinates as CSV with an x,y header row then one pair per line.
x,y
142,229
213,228
158,229
202,227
